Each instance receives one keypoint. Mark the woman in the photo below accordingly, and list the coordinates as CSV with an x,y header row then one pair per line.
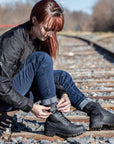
x,y
27,75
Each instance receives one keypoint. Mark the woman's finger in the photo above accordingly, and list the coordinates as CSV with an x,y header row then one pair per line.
x,y
46,108
60,101
64,104
65,109
44,115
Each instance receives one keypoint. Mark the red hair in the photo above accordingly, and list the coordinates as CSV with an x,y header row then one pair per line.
x,y
49,11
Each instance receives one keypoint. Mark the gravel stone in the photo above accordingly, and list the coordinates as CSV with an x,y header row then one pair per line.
x,y
101,101
44,142
110,140
7,131
72,140
41,128
14,140
92,94
1,142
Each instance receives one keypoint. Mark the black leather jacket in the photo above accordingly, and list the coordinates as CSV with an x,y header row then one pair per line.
x,y
15,47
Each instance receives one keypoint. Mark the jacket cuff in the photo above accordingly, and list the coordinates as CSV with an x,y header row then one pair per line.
x,y
28,107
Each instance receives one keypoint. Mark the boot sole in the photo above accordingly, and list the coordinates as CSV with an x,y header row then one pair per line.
x,y
104,126
53,133
47,133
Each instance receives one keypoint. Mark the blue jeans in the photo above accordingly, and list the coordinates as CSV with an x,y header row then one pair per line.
x,y
35,79
77,98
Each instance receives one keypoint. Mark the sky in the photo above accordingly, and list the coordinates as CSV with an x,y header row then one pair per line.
x,y
72,5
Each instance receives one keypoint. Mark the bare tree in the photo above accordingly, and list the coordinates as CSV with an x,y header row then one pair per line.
x,y
80,20
103,16
68,20
15,14
0,13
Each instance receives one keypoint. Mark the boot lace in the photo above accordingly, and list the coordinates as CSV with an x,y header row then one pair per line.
x,y
62,117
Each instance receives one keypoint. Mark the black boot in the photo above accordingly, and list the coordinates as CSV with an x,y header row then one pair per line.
x,y
99,117
57,124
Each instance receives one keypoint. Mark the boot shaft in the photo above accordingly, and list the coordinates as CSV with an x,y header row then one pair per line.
x,y
92,108
99,117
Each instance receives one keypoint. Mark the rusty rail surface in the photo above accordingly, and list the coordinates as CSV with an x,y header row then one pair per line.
x,y
8,25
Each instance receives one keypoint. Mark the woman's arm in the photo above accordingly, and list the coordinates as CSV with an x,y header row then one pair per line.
x,y
11,50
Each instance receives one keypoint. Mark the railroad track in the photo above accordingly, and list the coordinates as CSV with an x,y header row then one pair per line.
x,y
105,40
92,69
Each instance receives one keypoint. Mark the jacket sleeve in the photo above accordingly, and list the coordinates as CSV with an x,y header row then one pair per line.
x,y
59,89
10,52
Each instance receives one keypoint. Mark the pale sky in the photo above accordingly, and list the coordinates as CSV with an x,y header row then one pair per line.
x,y
78,5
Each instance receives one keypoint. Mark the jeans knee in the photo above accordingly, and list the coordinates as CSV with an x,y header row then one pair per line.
x,y
65,75
47,58
43,57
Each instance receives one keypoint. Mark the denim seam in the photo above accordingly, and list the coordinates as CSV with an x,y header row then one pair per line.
x,y
47,83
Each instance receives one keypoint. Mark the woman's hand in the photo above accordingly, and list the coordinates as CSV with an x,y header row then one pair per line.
x,y
64,104
40,111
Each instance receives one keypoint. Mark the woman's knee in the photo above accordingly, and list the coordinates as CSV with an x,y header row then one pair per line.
x,y
66,75
61,74
42,57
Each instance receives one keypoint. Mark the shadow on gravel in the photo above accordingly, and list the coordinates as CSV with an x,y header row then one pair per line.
x,y
14,124
28,126
5,121
107,55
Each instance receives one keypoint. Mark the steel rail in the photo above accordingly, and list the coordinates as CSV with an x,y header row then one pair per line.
x,y
92,43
